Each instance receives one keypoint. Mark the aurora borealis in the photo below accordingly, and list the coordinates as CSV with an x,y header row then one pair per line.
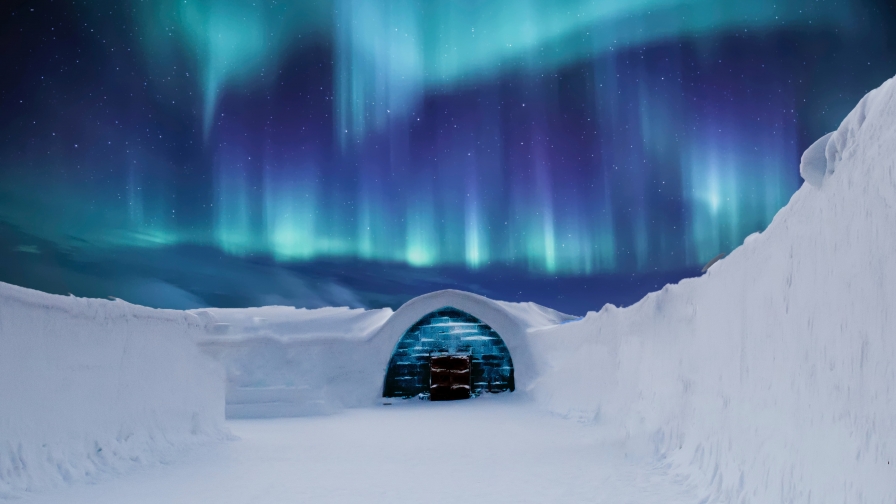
x,y
545,139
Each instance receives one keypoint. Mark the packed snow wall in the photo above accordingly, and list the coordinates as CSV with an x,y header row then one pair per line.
x,y
282,361
772,378
90,386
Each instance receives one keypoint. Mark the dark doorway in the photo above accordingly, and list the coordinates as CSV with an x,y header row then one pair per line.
x,y
449,377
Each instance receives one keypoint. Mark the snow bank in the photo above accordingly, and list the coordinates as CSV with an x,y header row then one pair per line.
x,y
283,361
89,387
773,377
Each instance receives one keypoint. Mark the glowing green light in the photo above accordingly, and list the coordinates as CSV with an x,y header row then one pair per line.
x,y
422,243
476,253
290,203
390,51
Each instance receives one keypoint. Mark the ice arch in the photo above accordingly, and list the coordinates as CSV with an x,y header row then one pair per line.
x,y
449,330
510,320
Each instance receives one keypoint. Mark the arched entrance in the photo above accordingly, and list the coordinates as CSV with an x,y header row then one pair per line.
x,y
449,348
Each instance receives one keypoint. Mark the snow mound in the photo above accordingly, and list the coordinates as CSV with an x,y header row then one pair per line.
x,y
772,378
90,387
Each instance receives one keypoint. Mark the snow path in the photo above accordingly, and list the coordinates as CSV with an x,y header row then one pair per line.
x,y
485,450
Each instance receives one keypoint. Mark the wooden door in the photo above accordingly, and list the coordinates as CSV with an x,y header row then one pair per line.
x,y
449,377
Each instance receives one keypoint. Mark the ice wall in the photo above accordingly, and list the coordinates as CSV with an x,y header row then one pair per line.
x,y
90,387
773,377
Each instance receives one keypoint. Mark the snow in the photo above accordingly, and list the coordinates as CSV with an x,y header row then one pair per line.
x,y
283,361
486,450
91,387
814,162
773,377
286,322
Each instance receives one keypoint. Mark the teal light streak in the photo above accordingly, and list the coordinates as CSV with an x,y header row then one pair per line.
x,y
235,208
476,252
717,176
232,42
291,204
390,52
422,239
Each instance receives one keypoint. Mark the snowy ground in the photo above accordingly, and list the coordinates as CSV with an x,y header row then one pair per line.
x,y
494,449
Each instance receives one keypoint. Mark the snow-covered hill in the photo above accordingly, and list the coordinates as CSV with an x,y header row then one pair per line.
x,y
773,377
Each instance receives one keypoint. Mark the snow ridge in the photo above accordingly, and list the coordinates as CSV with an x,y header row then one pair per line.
x,y
773,377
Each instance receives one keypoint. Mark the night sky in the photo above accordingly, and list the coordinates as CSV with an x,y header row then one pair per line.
x,y
185,153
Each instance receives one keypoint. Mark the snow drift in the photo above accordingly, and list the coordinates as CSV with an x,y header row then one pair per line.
x,y
773,377
89,386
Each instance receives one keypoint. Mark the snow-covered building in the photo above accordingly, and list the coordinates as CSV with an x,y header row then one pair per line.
x,y
283,361
492,333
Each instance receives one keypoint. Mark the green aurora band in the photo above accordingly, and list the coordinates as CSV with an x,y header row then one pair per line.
x,y
506,187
